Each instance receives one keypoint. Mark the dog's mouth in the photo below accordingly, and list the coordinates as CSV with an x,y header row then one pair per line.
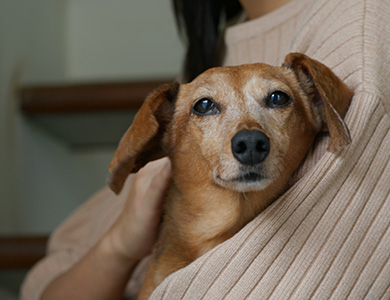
x,y
249,177
245,181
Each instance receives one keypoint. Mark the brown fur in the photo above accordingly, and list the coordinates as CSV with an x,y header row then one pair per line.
x,y
205,204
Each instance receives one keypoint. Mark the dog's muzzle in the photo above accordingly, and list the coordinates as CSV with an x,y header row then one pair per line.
x,y
250,147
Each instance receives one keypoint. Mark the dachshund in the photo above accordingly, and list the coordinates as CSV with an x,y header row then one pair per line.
x,y
234,135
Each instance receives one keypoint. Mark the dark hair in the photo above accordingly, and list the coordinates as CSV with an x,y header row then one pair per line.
x,y
200,22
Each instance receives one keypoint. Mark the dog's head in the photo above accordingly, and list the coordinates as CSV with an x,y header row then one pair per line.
x,y
243,128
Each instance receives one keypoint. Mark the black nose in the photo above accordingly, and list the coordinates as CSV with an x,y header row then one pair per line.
x,y
250,147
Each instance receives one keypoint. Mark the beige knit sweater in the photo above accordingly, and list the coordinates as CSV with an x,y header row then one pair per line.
x,y
328,236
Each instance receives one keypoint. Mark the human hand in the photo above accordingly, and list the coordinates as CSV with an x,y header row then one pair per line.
x,y
135,231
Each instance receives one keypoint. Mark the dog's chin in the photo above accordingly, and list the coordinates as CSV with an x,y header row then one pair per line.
x,y
246,182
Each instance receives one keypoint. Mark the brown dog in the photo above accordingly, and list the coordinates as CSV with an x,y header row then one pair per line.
x,y
234,135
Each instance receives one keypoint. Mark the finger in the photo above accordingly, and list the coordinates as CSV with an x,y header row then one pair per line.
x,y
150,184
159,183
155,165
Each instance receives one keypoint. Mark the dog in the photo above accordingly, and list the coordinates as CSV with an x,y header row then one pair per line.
x,y
235,135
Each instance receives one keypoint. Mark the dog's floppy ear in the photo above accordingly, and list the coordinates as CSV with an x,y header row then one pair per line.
x,y
143,140
330,96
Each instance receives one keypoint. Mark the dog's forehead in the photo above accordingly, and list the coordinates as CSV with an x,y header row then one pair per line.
x,y
244,79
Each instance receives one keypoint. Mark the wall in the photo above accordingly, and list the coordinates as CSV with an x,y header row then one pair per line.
x,y
122,39
29,50
41,179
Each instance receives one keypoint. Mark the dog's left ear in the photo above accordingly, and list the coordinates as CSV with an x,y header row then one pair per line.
x,y
143,140
329,94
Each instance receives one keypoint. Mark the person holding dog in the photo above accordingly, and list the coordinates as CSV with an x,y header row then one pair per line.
x,y
327,237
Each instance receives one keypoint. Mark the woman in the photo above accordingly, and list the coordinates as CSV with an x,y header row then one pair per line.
x,y
327,237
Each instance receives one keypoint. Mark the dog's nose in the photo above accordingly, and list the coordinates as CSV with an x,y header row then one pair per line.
x,y
250,147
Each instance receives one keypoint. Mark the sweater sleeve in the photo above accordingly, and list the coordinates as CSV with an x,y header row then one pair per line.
x,y
79,233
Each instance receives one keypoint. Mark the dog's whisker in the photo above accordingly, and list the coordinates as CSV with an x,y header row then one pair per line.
x,y
245,196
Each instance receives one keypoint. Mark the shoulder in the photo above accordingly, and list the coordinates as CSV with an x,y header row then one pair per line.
x,y
351,37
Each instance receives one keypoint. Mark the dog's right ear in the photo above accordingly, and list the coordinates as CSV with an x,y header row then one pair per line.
x,y
143,140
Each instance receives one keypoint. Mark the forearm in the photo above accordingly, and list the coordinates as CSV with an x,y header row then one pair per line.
x,y
100,274
104,271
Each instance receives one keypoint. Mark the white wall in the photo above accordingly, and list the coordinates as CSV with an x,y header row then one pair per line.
x,y
29,50
122,39
41,179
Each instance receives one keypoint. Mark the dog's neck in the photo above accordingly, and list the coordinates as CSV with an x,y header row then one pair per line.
x,y
206,214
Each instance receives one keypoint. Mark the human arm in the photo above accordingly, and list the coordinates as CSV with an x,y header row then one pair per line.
x,y
103,272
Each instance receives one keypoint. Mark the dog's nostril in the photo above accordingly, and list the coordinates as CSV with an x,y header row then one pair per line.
x,y
241,147
260,146
250,147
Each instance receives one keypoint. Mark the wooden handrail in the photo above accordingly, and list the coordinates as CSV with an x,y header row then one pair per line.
x,y
21,252
74,98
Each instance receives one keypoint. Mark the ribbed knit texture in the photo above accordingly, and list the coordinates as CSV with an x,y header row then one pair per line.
x,y
328,236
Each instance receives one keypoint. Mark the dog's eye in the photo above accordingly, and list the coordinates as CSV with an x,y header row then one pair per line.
x,y
205,106
277,99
